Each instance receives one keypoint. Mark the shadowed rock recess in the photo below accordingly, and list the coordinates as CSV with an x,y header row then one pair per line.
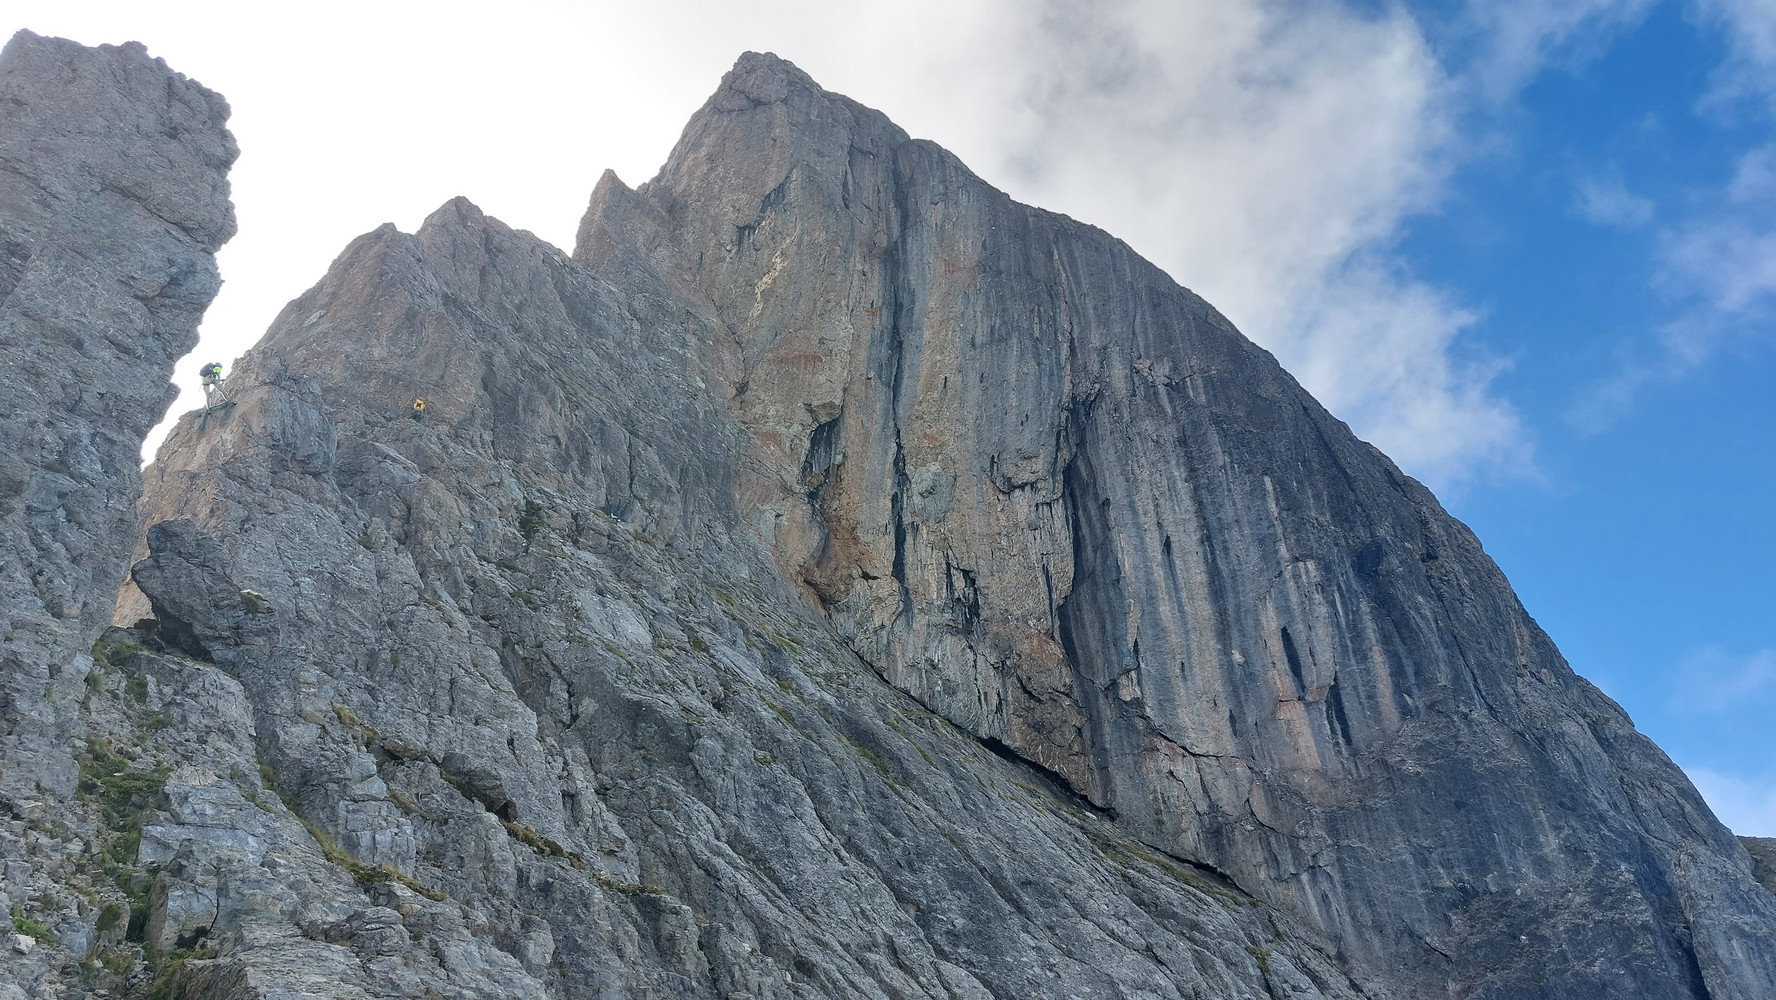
x,y
833,580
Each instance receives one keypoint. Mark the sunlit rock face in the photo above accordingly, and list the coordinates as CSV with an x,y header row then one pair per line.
x,y
832,580
1062,502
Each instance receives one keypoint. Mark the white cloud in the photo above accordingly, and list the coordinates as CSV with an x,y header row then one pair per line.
x,y
1606,201
1265,152
1727,257
1727,260
1748,808
1754,178
1750,30
1716,264
1515,40
1267,155
1382,350
1713,681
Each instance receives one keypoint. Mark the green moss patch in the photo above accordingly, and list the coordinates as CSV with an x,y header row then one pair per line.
x,y
365,875
122,792
542,845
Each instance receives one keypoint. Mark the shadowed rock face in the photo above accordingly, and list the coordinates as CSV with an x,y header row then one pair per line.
x,y
1062,502
113,201
1763,859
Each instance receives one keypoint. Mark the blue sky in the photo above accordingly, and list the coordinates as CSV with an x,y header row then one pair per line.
x,y
1527,247
1643,540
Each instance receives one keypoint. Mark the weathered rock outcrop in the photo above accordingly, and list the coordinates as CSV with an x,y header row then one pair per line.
x,y
1062,502
520,658
113,202
1763,859
833,580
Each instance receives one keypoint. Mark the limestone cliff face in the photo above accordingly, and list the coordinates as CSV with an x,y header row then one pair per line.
x,y
561,721
833,580
1062,502
113,202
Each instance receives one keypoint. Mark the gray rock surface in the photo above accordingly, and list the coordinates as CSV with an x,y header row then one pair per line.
x,y
1062,502
520,654
1763,859
113,202
833,580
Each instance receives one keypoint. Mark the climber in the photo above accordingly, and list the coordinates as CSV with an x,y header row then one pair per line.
x,y
419,407
212,385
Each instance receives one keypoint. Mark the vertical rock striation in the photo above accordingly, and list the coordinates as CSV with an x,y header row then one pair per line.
x,y
554,713
113,202
1062,502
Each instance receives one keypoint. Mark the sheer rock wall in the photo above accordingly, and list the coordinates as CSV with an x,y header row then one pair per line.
x,y
518,655
1062,502
113,202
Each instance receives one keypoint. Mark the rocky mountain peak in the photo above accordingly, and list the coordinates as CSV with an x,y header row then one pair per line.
x,y
835,579
1059,500
117,122
762,78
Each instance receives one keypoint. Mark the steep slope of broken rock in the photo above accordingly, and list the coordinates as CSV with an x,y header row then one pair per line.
x,y
113,202
1062,502
519,657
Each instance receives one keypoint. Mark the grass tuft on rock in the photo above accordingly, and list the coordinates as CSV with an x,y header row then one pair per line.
x,y
165,984
542,845
365,875
111,914
122,792
25,925
532,520
114,654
